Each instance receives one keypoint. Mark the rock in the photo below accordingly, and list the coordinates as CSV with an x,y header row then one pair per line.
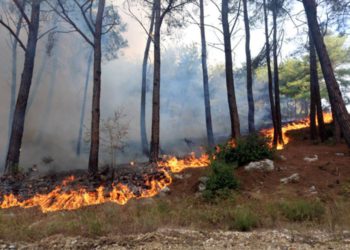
x,y
264,165
201,187
311,159
203,179
165,190
178,176
186,176
283,158
312,190
294,178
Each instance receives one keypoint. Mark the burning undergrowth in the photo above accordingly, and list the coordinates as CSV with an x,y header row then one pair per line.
x,y
70,191
59,192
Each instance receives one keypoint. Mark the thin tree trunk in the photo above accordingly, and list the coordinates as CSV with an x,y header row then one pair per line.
x,y
276,76
95,118
335,96
250,96
144,141
235,126
82,112
156,86
269,74
208,120
12,159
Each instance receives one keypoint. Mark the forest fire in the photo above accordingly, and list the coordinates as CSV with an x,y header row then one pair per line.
x,y
304,123
62,197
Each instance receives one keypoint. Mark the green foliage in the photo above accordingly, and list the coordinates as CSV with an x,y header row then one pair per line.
x,y
244,219
221,181
226,153
301,210
252,148
295,72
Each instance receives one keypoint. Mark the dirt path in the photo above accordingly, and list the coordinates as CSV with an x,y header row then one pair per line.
x,y
188,239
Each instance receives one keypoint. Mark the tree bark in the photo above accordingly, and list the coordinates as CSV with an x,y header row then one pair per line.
x,y
269,74
208,120
95,118
250,96
82,112
235,126
315,98
276,76
144,141
12,159
154,153
335,96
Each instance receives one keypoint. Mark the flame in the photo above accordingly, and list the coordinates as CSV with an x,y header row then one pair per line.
x,y
177,165
304,123
63,198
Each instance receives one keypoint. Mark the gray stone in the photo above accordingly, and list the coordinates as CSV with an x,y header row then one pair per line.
x,y
264,165
201,187
203,179
294,178
311,159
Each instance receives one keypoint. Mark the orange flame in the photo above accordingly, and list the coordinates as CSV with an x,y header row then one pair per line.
x,y
177,165
304,123
61,199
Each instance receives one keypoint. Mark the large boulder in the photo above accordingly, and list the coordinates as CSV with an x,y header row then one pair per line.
x,y
264,165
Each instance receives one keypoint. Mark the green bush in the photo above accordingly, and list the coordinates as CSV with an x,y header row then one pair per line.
x,y
226,153
221,181
252,148
301,210
244,219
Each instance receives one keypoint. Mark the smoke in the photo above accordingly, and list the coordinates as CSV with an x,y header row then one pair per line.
x,y
52,120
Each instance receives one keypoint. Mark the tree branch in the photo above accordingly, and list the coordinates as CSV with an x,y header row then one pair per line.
x,y
13,34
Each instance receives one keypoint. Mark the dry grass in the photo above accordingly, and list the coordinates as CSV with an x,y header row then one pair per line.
x,y
186,211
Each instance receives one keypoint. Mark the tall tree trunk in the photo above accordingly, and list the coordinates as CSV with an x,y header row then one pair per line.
x,y
231,96
250,96
156,86
276,75
269,74
208,120
96,93
315,99
144,141
335,96
82,112
12,159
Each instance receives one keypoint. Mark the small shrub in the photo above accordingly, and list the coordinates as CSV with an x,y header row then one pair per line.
x,y
244,219
252,148
221,181
301,210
